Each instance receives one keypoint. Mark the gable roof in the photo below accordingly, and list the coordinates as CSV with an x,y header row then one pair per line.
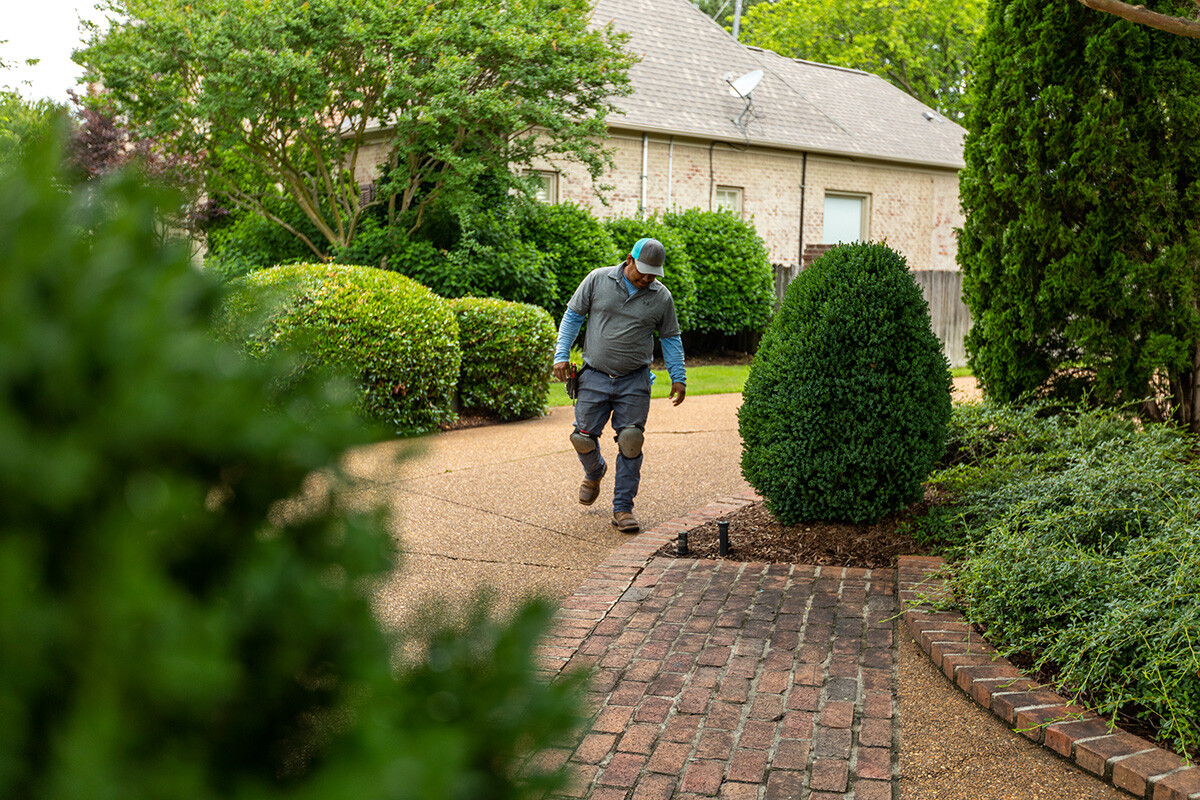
x,y
680,89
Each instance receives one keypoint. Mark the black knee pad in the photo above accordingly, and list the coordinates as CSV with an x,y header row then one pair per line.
x,y
629,441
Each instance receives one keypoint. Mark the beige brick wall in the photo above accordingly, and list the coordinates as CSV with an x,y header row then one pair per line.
x,y
915,210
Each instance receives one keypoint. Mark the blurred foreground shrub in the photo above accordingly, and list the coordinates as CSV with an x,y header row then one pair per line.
x,y
171,626
507,354
393,337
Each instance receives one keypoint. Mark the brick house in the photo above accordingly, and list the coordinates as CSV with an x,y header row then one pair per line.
x,y
816,155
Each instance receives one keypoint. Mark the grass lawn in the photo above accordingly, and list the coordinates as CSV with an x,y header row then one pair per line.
x,y
715,379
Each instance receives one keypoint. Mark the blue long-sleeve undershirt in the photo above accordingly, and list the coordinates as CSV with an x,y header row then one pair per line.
x,y
672,346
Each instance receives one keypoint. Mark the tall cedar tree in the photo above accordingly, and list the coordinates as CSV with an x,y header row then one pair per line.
x,y
1080,250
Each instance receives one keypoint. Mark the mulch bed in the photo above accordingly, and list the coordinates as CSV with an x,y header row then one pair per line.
x,y
755,535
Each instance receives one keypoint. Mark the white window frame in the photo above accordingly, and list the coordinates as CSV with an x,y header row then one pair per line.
x,y
736,193
547,183
864,232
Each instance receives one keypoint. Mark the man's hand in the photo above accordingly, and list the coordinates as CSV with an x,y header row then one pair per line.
x,y
560,371
678,392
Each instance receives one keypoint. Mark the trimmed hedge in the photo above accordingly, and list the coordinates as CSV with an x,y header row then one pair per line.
x,y
679,276
396,339
845,410
507,353
735,285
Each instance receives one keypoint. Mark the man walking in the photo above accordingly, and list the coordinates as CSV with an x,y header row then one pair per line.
x,y
624,306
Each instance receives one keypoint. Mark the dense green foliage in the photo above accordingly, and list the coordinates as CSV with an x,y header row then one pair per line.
x,y
735,285
507,353
845,410
248,242
678,275
394,338
1080,251
387,247
922,47
572,242
170,627
280,97
1081,545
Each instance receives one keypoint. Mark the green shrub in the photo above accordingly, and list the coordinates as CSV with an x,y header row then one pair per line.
x,y
169,626
507,353
1081,548
397,340
390,248
678,275
573,242
735,284
845,409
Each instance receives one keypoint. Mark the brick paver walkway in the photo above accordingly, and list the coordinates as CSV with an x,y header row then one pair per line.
x,y
735,680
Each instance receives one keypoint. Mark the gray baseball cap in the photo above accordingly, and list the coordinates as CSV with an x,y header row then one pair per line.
x,y
649,255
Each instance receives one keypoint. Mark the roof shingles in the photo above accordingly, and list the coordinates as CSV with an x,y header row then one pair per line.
x,y
680,88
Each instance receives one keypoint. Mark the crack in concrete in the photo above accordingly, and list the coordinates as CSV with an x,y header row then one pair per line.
x,y
494,561
505,516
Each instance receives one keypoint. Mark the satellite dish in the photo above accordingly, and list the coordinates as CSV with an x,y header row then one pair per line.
x,y
746,84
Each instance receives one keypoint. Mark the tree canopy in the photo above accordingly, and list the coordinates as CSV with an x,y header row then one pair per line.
x,y
923,47
281,97
1080,251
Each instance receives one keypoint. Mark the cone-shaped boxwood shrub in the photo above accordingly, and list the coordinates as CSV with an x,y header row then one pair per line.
x,y
170,627
507,353
735,285
845,410
678,273
393,337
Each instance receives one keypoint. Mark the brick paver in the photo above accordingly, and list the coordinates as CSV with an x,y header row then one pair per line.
x,y
742,680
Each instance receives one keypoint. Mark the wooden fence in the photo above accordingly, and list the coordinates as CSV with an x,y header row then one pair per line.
x,y
943,291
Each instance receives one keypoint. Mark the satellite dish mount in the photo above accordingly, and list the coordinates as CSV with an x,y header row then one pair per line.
x,y
744,88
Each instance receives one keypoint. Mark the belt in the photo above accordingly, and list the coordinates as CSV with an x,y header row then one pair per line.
x,y
609,374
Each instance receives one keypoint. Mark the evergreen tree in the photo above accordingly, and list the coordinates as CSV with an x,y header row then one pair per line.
x,y
1081,250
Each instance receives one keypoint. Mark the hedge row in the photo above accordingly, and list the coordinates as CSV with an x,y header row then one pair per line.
x,y
410,354
717,266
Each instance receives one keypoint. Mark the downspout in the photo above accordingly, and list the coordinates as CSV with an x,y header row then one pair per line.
x,y
670,171
645,163
803,180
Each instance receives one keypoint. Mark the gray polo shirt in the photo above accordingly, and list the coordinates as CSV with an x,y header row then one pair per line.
x,y
620,326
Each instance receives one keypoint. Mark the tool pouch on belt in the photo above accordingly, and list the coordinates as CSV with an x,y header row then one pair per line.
x,y
572,381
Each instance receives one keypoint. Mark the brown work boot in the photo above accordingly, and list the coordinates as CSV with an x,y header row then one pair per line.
x,y
626,522
590,490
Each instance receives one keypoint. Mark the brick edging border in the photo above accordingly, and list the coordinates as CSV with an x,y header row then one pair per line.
x,y
620,572
974,666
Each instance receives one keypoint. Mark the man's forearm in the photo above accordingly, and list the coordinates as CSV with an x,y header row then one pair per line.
x,y
568,329
672,349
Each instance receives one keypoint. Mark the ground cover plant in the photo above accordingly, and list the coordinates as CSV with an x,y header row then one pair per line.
x,y
1077,544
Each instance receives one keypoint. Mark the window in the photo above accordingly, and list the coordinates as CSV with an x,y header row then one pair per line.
x,y
846,218
729,198
545,186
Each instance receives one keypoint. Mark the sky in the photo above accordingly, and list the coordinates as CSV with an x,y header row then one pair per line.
x,y
47,30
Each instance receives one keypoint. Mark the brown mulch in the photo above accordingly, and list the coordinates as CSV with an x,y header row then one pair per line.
x,y
755,535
